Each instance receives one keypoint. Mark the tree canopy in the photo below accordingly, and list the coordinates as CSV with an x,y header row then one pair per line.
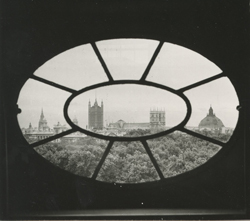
x,y
128,162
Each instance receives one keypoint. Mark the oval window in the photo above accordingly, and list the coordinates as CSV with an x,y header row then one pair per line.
x,y
128,110
123,113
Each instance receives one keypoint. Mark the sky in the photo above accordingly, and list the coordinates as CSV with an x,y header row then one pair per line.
x,y
175,67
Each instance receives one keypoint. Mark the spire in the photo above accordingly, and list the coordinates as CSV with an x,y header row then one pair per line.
x,y
42,115
95,102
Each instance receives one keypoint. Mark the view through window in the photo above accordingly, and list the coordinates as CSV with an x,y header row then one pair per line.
x,y
128,110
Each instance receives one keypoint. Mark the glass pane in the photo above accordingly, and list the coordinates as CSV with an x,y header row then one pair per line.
x,y
127,162
42,111
127,58
127,110
177,67
75,153
178,152
75,68
214,112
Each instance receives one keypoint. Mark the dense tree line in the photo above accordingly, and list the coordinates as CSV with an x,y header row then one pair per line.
x,y
128,162
80,158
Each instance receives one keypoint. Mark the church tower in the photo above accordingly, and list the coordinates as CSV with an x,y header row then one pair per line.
x,y
42,124
95,116
157,118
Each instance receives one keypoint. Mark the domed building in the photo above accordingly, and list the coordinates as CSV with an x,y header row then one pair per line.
x,y
211,122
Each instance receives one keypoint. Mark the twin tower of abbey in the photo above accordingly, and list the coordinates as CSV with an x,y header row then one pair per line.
x,y
96,112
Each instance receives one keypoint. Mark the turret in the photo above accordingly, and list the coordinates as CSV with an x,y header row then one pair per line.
x,y
211,111
42,115
95,104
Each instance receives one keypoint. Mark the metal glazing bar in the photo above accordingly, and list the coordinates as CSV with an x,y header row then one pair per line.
x,y
52,138
201,82
202,136
98,54
157,50
53,84
105,154
145,144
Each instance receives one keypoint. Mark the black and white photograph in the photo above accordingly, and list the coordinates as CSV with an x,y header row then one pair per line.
x,y
125,110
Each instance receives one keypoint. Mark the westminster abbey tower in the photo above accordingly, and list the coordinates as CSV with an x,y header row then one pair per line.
x,y
157,118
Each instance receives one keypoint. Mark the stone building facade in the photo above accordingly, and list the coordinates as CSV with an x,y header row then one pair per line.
x,y
157,118
121,124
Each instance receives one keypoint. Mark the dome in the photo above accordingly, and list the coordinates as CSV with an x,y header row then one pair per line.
x,y
211,121
121,123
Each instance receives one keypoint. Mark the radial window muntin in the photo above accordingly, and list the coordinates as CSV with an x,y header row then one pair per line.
x,y
142,81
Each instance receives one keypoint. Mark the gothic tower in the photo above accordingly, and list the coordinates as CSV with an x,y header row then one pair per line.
x,y
95,116
42,124
157,118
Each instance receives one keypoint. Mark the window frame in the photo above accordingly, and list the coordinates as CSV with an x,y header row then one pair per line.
x,y
142,139
29,46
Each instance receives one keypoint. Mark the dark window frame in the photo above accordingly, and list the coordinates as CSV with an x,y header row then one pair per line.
x,y
143,139
34,189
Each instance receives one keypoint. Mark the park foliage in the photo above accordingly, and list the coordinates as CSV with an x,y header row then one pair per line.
x,y
128,162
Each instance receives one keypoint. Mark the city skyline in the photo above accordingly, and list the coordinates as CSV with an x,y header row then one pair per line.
x,y
32,103
83,118
175,67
